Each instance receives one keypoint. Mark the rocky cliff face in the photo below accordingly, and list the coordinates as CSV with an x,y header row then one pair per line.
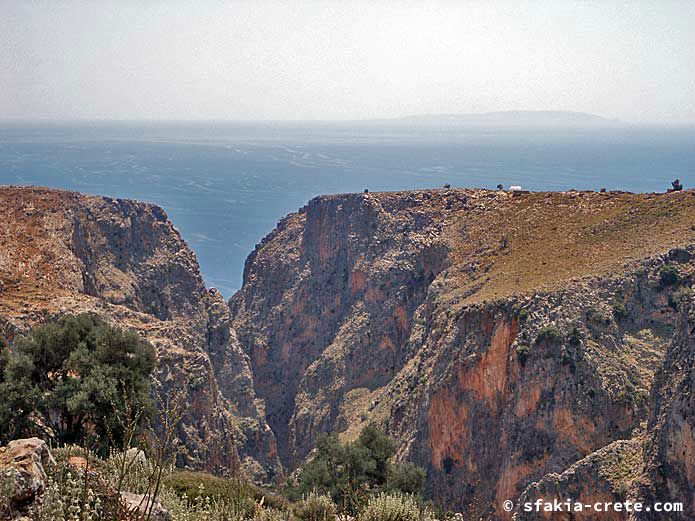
x,y
516,345
499,337
327,307
669,447
62,253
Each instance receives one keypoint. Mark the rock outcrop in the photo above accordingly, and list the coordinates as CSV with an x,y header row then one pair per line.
x,y
139,506
669,449
499,337
517,345
62,252
22,474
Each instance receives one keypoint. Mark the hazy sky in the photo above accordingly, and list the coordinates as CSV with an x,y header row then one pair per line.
x,y
345,59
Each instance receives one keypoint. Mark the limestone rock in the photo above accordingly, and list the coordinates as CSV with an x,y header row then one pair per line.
x,y
22,462
125,261
499,339
140,504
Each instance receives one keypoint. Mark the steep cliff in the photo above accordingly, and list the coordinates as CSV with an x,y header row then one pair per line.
x,y
669,448
500,337
509,342
63,252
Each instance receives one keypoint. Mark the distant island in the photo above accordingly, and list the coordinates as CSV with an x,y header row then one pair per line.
x,y
513,118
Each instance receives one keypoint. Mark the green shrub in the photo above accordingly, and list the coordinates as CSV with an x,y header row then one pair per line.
x,y
71,495
619,310
406,477
316,507
191,484
550,335
679,297
523,315
522,351
233,492
347,472
627,394
394,507
669,275
73,381
596,316
575,337
198,496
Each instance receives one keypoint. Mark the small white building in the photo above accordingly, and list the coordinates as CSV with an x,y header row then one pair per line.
x,y
515,188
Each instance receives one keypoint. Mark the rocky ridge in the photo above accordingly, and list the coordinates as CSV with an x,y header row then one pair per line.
x,y
62,252
516,345
499,337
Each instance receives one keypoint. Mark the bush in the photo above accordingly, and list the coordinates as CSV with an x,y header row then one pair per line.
x,y
316,507
191,484
619,310
348,473
188,496
394,507
576,336
70,495
522,351
406,477
669,275
679,297
550,335
74,381
241,495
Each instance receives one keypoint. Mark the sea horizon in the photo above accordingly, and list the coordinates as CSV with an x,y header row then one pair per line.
x,y
225,185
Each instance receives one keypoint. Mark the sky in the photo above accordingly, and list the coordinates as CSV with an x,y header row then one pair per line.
x,y
324,60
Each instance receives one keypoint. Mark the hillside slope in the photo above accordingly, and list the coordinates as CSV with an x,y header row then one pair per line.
x,y
516,345
62,252
500,337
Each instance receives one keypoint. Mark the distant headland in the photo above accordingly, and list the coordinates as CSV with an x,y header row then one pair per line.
x,y
513,118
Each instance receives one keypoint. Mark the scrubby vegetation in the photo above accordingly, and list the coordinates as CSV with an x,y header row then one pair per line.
x,y
81,486
549,334
576,337
316,507
77,380
522,351
619,310
394,507
679,297
669,275
80,383
351,473
523,315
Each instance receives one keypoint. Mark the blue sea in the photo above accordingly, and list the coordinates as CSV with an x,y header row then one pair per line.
x,y
225,185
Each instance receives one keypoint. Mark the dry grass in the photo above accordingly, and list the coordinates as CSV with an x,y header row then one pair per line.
x,y
35,264
506,244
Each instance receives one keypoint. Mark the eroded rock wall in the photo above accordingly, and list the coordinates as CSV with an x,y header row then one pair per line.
x,y
123,260
462,323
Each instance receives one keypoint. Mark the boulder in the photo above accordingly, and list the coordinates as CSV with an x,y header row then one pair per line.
x,y
140,504
136,456
22,461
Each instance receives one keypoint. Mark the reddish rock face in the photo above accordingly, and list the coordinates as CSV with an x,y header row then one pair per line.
x,y
327,306
509,343
498,338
